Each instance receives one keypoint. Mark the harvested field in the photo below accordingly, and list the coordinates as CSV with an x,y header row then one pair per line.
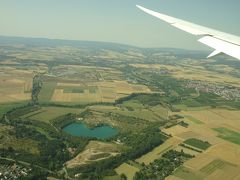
x,y
226,151
200,161
216,117
15,86
175,130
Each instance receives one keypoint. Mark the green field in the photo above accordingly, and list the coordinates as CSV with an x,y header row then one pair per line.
x,y
197,143
228,135
47,91
194,120
112,178
133,104
9,106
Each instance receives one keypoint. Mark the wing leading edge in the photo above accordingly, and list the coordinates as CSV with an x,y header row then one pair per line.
x,y
220,41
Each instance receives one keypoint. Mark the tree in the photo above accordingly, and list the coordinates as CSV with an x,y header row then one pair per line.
x,y
123,176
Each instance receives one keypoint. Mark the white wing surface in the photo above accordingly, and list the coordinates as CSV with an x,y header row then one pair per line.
x,y
220,41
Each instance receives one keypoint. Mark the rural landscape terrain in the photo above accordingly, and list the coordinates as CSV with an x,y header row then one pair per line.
x,y
94,110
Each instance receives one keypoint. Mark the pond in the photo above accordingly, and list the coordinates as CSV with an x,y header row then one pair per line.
x,y
80,129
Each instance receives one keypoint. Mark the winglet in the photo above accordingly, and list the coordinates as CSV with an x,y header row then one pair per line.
x,y
140,7
214,53
164,17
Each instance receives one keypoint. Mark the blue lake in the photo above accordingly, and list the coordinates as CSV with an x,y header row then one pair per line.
x,y
80,129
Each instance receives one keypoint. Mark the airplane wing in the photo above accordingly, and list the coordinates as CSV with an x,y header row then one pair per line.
x,y
220,41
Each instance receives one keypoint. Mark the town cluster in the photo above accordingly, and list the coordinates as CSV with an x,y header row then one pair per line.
x,y
13,171
225,91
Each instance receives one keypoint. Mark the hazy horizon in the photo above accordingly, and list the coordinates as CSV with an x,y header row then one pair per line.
x,y
116,22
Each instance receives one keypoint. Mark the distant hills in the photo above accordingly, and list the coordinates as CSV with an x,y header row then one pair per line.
x,y
39,42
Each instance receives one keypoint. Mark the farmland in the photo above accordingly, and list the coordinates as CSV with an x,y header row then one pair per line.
x,y
142,93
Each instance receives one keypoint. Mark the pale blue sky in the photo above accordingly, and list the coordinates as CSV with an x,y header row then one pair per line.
x,y
116,20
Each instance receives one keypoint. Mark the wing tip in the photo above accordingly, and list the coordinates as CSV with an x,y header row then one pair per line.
x,y
140,7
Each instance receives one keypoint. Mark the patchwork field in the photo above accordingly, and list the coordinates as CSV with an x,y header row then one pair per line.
x,y
216,117
214,169
220,128
95,76
88,92
87,73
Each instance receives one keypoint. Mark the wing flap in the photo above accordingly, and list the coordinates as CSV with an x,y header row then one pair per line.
x,y
214,53
221,46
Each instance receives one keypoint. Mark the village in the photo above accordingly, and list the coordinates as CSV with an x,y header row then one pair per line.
x,y
227,92
13,171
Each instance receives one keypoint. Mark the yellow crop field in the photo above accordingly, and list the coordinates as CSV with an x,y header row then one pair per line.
x,y
216,117
226,151
175,130
200,161
15,85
